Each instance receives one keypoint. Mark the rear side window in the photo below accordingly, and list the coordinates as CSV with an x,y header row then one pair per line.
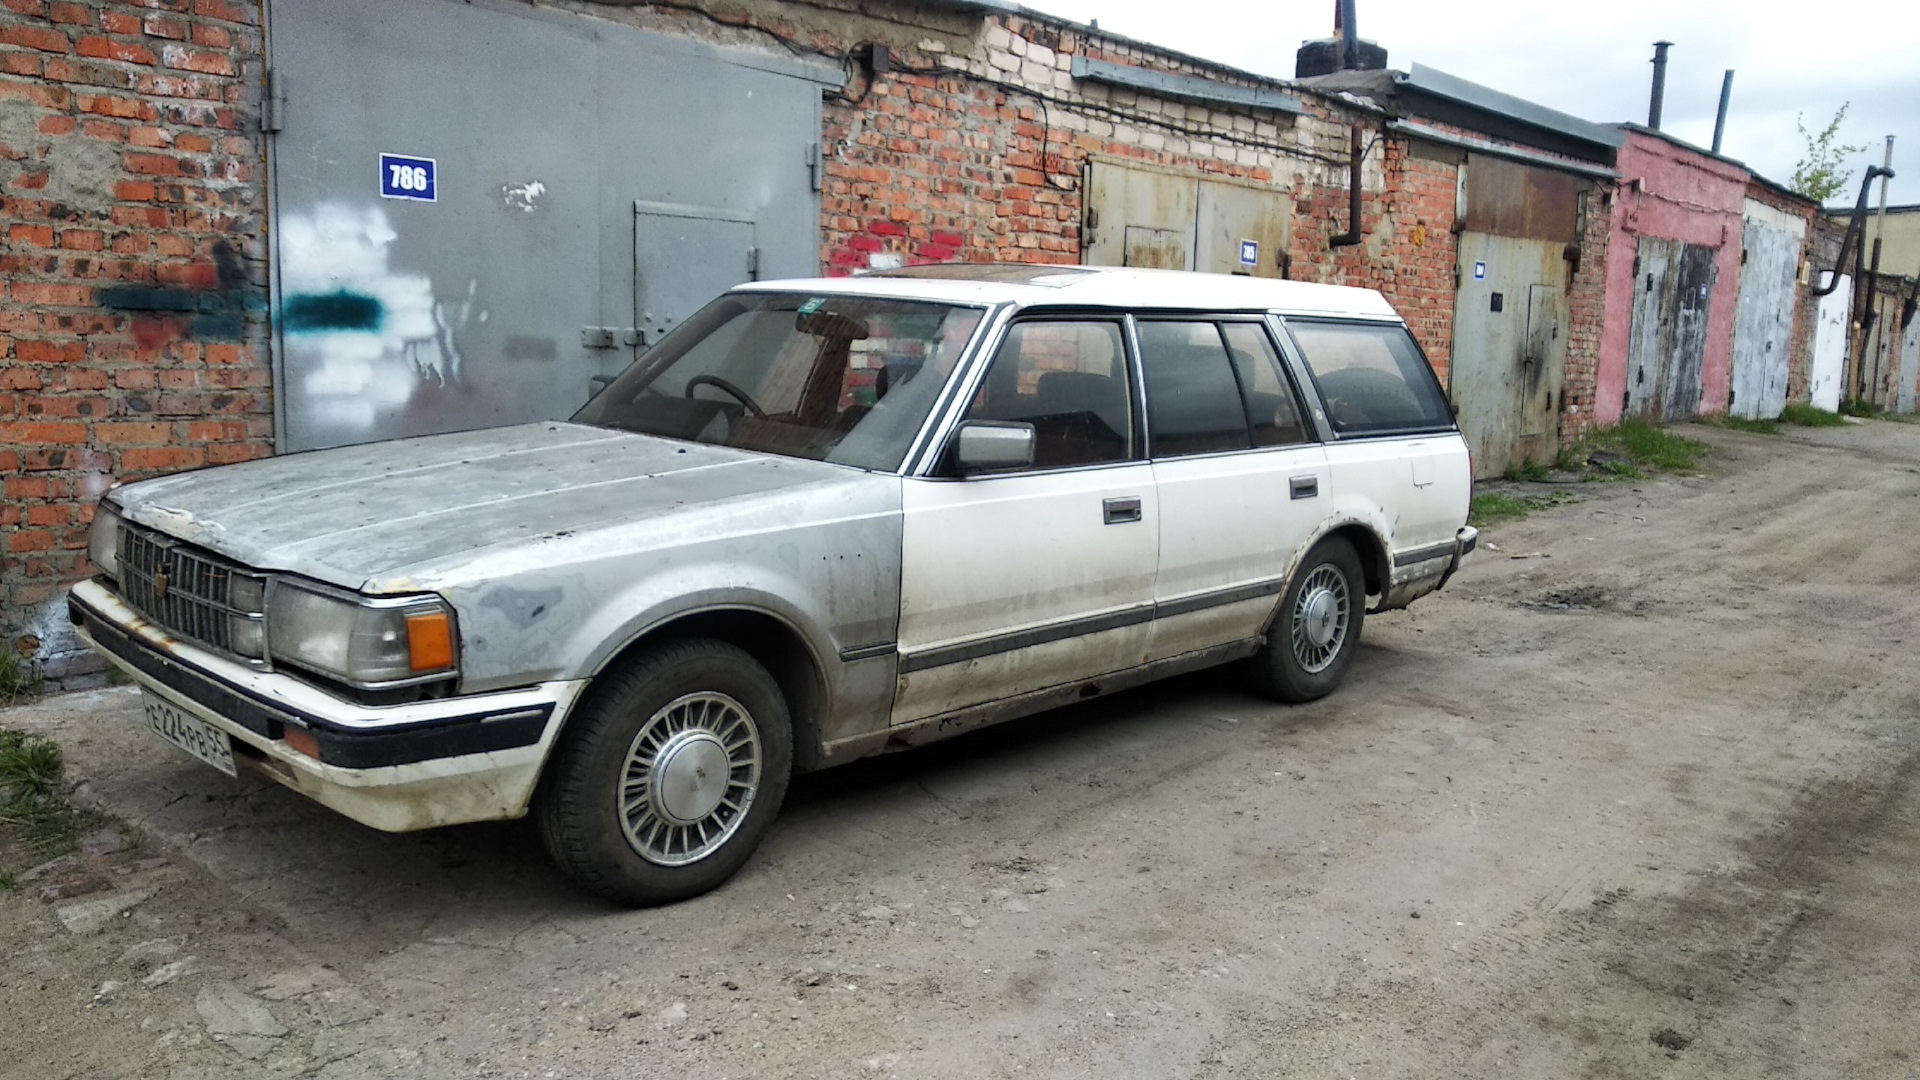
x,y
1373,378
1271,410
1193,398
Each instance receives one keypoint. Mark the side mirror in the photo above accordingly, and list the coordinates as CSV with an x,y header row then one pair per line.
x,y
992,445
597,383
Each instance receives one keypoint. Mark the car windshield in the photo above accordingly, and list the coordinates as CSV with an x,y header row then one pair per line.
x,y
843,379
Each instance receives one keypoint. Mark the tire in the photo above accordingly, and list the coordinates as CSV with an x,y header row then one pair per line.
x,y
685,710
1316,628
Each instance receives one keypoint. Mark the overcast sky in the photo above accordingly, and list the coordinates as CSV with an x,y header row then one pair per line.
x,y
1591,60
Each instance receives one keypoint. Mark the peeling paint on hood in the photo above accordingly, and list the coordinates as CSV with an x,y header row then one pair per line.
x,y
392,516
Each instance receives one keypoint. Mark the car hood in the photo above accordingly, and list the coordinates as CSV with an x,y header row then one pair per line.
x,y
366,517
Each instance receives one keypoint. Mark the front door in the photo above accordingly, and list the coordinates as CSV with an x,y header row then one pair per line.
x,y
1042,577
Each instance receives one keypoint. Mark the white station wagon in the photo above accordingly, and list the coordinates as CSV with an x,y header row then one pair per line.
x,y
821,520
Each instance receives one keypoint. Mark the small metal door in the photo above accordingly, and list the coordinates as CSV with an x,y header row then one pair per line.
x,y
1156,249
1138,217
684,256
1240,230
1693,300
1909,367
1543,365
1647,344
1763,323
1673,293
1830,343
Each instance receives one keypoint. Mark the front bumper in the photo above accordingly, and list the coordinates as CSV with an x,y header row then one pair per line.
x,y
395,768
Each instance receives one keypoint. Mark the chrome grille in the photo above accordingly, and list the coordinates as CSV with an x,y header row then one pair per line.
x,y
180,589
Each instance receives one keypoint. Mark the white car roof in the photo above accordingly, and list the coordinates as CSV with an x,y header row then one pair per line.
x,y
1096,286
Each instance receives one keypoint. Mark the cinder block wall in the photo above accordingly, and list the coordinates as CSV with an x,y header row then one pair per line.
x,y
132,317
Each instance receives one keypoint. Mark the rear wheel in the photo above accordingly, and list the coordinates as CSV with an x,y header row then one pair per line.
x,y
1313,635
669,775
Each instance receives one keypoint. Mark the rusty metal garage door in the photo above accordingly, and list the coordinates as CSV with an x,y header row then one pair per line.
x,y
1673,291
460,194
1763,324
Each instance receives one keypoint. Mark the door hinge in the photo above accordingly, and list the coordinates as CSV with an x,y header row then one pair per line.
x,y
753,264
273,104
812,151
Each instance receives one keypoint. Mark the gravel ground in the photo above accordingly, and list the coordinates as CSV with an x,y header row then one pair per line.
x,y
1635,797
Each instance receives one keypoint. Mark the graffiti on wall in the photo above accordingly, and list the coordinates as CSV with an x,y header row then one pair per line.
x,y
364,340
212,304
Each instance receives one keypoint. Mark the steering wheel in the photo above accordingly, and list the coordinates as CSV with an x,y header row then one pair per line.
x,y
728,389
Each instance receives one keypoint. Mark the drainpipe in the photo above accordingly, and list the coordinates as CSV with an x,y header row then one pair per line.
x,y
1350,61
1659,83
1856,230
1869,313
1720,121
1353,233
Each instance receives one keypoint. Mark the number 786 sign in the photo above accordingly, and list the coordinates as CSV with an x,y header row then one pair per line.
x,y
406,178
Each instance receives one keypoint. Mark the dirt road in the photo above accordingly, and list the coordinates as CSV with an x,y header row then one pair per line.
x,y
1635,797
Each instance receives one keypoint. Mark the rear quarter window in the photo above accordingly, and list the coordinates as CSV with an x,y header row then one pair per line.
x,y
1372,377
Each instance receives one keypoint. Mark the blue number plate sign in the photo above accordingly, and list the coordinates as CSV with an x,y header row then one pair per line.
x,y
404,177
1249,253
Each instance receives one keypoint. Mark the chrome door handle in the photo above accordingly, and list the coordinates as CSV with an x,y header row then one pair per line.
x,y
1121,511
1304,487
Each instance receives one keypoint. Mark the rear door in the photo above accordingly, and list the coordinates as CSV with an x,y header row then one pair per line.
x,y
1240,476
1396,459
1024,580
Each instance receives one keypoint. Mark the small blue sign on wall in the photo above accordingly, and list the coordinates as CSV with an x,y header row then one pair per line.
x,y
1249,253
404,177
1479,271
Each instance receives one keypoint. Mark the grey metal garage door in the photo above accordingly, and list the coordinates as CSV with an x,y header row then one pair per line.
x,y
469,198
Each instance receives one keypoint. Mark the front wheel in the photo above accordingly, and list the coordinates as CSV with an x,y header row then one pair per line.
x,y
1313,635
669,775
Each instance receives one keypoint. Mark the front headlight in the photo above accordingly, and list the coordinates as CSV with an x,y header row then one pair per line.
x,y
363,642
103,540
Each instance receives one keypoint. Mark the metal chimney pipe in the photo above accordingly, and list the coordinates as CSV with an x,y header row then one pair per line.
x,y
1659,83
1349,37
1720,121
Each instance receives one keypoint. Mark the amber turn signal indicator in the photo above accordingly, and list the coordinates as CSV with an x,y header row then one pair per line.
x,y
302,740
430,641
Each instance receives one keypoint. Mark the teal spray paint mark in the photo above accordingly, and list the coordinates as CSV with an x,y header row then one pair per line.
x,y
320,313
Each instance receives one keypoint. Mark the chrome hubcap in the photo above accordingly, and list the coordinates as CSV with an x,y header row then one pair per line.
x,y
690,776
1320,615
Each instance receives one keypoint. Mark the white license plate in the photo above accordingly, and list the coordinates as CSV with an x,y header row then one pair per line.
x,y
190,733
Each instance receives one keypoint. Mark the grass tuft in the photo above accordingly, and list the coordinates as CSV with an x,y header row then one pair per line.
x,y
1631,450
19,677
1741,423
1498,506
36,820
1860,407
1805,415
1529,471
1658,448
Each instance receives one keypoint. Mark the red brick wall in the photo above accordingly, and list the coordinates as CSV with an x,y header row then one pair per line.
x,y
1586,315
131,338
947,158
